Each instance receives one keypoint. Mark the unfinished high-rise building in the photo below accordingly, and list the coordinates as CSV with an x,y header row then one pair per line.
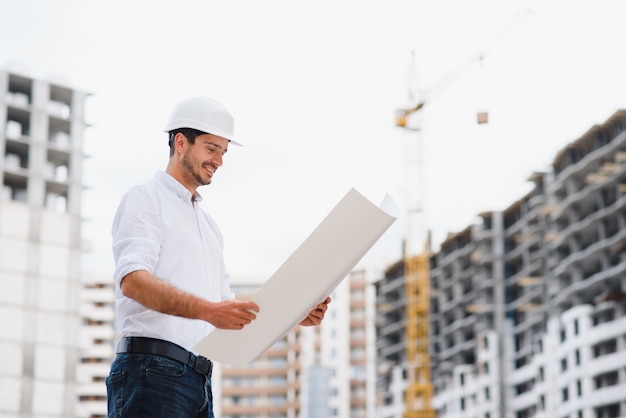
x,y
529,312
43,342
528,306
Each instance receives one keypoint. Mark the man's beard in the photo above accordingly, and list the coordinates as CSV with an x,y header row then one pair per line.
x,y
191,173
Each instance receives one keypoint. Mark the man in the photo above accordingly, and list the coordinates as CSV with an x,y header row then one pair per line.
x,y
172,287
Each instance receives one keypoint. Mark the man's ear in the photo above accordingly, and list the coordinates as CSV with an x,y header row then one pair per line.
x,y
179,142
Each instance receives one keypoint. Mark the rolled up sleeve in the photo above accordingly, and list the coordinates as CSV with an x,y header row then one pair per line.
x,y
136,234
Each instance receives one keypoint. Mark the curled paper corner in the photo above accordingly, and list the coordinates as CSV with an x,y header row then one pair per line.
x,y
389,206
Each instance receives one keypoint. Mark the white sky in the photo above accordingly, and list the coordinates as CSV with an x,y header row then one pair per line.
x,y
313,87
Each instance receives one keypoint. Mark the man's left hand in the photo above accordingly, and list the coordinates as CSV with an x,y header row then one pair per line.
x,y
316,315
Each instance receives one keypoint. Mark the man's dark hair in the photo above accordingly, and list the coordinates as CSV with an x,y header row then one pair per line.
x,y
189,133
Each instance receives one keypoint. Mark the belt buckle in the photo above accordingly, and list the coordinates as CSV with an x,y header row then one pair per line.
x,y
203,365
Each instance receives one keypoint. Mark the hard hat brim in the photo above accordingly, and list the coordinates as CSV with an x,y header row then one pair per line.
x,y
220,134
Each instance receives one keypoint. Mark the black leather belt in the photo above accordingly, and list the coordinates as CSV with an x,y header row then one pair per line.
x,y
166,349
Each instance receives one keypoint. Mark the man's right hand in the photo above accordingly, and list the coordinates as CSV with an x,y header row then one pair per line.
x,y
232,314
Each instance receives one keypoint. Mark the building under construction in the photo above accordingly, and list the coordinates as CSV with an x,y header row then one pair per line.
x,y
527,307
57,327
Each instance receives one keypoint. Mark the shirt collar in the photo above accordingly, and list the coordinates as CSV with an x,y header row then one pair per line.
x,y
179,190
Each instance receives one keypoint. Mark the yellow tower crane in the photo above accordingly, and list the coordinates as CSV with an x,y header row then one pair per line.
x,y
419,390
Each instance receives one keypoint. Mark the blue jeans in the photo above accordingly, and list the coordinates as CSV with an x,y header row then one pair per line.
x,y
148,385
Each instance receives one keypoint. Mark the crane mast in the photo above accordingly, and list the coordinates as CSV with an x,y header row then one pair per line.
x,y
419,392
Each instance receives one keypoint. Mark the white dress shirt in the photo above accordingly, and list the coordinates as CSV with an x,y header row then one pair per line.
x,y
159,229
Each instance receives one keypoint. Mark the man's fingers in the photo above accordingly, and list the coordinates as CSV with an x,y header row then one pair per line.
x,y
251,306
316,319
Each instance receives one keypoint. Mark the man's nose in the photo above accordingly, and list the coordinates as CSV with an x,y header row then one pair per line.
x,y
218,160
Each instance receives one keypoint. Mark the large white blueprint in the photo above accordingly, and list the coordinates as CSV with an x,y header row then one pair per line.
x,y
310,274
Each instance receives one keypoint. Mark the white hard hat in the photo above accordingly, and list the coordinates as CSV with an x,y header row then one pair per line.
x,y
203,114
